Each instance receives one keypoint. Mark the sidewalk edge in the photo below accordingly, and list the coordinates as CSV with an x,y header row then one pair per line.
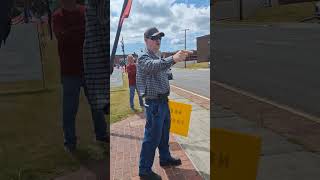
x,y
196,98
281,107
195,167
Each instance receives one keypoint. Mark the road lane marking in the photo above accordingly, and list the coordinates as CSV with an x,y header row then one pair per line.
x,y
264,100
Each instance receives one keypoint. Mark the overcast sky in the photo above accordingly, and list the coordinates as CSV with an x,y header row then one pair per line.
x,y
169,16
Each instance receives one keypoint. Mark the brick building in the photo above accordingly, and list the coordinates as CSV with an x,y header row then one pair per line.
x,y
119,58
203,48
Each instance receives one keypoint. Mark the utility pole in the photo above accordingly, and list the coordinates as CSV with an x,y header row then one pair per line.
x,y
185,45
240,10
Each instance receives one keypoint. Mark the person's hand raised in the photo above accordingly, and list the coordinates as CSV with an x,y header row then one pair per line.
x,y
181,55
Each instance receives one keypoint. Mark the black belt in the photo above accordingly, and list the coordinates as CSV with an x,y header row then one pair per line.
x,y
159,97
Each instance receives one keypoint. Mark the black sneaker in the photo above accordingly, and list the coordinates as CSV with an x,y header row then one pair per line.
x,y
105,140
171,162
151,176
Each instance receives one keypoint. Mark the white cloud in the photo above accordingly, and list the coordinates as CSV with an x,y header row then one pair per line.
x,y
177,41
167,16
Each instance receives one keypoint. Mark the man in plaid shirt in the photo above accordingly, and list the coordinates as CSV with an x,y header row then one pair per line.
x,y
96,61
153,85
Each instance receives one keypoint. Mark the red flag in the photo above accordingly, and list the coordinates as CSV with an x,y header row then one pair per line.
x,y
18,20
126,11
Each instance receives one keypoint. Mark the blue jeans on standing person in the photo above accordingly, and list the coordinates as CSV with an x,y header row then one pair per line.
x,y
132,93
71,86
156,134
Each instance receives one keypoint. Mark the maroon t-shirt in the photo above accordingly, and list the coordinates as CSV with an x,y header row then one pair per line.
x,y
131,69
69,29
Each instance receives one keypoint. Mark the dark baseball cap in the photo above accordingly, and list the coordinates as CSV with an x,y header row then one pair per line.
x,y
153,32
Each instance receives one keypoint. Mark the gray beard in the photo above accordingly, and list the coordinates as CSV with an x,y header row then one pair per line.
x,y
158,53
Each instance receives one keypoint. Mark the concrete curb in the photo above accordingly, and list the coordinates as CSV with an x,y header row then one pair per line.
x,y
295,125
267,102
202,101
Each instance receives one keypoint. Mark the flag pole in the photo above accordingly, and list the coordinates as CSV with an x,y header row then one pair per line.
x,y
49,19
116,40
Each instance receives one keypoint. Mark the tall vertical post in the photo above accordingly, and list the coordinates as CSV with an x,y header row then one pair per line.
x,y
240,10
185,45
122,46
114,48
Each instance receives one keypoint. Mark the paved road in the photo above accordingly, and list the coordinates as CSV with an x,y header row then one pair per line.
x,y
20,57
197,81
183,63
279,62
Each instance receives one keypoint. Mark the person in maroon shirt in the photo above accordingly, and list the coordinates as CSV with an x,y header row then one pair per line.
x,y
69,29
131,70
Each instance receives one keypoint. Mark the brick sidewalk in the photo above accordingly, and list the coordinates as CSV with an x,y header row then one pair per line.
x,y
126,137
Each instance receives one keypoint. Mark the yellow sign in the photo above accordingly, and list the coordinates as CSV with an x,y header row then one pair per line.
x,y
234,156
180,117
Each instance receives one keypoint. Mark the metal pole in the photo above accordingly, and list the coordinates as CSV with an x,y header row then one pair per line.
x,y
185,45
114,48
240,10
41,33
122,46
49,19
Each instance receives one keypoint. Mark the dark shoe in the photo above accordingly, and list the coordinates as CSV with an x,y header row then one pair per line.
x,y
151,176
70,148
171,162
103,140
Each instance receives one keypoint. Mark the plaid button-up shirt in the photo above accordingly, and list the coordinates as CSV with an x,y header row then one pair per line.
x,y
152,79
96,55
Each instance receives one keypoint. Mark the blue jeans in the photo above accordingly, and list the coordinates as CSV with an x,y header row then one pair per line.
x,y
132,93
156,134
71,91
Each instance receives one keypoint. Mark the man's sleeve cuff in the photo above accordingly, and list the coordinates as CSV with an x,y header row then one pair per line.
x,y
170,59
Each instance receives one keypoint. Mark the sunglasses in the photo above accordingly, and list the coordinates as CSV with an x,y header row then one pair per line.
x,y
154,38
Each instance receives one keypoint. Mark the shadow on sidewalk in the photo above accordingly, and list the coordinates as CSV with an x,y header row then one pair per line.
x,y
126,136
136,122
184,173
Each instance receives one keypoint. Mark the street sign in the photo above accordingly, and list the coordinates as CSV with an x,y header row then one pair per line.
x,y
180,117
234,155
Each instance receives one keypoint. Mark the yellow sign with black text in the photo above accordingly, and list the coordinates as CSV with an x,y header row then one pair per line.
x,y
180,117
233,155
